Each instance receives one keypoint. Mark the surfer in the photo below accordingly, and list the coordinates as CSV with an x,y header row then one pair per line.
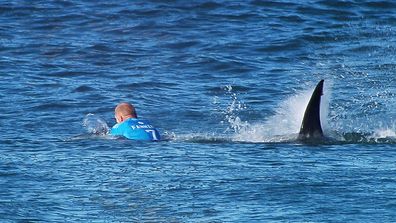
x,y
129,126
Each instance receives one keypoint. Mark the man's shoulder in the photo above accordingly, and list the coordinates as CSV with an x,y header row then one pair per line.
x,y
138,121
116,125
120,126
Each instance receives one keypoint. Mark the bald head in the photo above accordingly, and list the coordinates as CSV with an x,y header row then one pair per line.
x,y
123,111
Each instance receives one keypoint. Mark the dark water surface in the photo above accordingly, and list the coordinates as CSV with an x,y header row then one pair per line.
x,y
226,83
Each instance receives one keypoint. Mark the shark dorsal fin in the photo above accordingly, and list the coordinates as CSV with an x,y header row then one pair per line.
x,y
310,126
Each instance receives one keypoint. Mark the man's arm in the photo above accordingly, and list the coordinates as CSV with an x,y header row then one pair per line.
x,y
115,130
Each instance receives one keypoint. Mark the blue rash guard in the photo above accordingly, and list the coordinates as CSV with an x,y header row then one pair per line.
x,y
138,129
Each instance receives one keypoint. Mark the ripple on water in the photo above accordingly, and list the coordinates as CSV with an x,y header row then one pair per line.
x,y
83,88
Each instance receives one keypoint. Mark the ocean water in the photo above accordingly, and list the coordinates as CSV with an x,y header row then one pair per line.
x,y
225,82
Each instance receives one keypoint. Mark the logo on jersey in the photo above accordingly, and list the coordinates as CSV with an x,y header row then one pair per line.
x,y
142,126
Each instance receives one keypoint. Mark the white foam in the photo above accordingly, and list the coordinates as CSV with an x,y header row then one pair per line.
x,y
384,133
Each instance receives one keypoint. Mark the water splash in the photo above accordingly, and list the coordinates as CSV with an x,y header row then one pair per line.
x,y
285,124
228,109
232,110
383,134
94,124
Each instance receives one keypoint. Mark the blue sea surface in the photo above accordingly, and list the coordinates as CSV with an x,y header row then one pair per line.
x,y
225,82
